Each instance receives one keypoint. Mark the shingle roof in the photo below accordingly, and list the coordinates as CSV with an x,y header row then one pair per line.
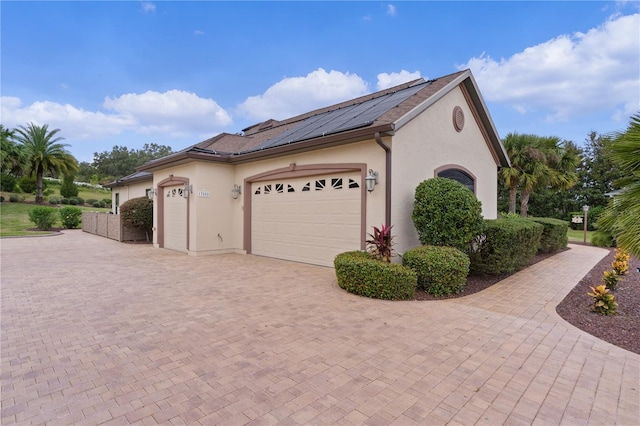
x,y
129,179
386,109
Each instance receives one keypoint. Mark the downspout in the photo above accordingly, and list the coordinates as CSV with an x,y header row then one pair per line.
x,y
387,178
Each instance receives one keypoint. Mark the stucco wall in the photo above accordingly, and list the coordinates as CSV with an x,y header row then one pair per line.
x,y
428,142
216,220
367,152
128,192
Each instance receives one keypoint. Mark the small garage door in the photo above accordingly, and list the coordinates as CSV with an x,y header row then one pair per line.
x,y
175,218
309,219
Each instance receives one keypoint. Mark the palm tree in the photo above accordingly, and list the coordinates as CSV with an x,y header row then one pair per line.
x,y
528,166
11,154
559,171
624,210
43,153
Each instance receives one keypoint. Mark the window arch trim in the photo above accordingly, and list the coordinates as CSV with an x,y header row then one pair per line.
x,y
458,168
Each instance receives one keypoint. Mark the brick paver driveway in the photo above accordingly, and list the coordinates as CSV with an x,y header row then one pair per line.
x,y
95,331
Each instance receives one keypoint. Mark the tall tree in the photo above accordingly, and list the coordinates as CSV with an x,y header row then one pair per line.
x,y
11,154
537,163
44,153
527,164
122,161
559,173
621,216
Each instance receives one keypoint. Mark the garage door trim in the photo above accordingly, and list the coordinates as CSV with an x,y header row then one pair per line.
x,y
170,181
294,171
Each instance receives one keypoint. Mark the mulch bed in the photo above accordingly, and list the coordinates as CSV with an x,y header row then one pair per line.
x,y
622,330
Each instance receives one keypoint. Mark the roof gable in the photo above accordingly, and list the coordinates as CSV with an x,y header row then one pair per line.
x,y
383,111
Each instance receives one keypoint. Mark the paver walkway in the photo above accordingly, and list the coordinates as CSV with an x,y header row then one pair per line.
x,y
95,331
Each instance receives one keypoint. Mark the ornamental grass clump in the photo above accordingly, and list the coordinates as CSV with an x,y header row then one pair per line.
x,y
604,302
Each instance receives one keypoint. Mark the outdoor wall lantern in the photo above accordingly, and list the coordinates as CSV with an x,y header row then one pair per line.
x,y
186,190
585,209
236,191
371,180
151,193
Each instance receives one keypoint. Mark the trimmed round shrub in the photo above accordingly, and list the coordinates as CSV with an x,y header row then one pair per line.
x,y
13,198
96,204
54,200
64,201
358,273
70,217
102,204
1,198
43,217
446,213
441,270
107,200
80,200
137,213
73,201
90,201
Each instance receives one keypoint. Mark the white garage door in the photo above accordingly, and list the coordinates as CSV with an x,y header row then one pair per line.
x,y
309,219
175,218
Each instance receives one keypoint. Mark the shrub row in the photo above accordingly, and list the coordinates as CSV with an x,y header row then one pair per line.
x,y
507,245
441,270
554,234
357,272
46,217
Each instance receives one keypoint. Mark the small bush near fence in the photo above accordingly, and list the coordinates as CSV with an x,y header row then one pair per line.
x,y
554,234
43,217
360,274
70,217
441,270
507,245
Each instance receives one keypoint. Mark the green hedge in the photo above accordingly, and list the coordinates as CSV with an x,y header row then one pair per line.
x,y
507,245
441,270
358,273
70,217
554,234
43,217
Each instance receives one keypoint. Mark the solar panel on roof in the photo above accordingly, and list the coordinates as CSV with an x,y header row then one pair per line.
x,y
340,120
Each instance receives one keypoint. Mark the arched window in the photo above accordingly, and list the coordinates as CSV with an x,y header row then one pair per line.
x,y
459,176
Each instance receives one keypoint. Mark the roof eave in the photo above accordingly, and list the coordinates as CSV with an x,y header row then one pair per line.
x,y
465,78
314,144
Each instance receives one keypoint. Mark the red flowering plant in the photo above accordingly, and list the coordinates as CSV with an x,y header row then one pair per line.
x,y
380,243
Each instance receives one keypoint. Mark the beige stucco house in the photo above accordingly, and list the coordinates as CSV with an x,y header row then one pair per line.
x,y
296,189
135,185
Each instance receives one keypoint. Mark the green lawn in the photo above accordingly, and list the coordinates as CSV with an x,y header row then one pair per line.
x,y
578,236
14,218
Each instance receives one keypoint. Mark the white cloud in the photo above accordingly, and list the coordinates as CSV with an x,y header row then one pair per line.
x,y
296,95
386,80
391,10
172,113
148,7
198,33
569,75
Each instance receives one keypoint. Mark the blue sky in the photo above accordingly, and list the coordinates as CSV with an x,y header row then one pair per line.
x,y
174,73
